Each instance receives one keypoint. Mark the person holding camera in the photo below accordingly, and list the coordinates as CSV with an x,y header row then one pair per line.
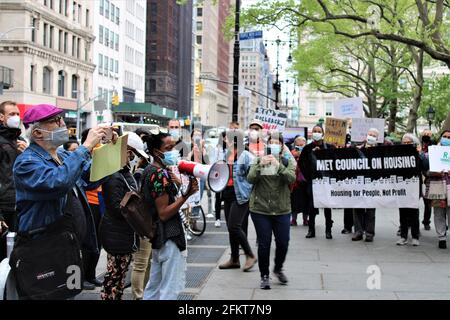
x,y
270,206
168,266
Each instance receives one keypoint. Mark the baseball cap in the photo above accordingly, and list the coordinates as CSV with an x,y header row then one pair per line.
x,y
39,113
256,122
135,142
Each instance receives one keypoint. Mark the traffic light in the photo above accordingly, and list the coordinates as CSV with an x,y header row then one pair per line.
x,y
198,89
115,100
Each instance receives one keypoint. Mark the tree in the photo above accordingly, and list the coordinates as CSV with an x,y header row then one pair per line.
x,y
436,93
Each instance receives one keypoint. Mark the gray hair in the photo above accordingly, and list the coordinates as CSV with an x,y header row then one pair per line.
x,y
299,138
374,130
29,131
411,137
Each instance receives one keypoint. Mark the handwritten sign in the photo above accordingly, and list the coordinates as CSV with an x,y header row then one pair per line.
x,y
348,108
360,127
335,131
271,119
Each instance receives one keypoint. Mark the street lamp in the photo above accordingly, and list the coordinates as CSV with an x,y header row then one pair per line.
x,y
430,115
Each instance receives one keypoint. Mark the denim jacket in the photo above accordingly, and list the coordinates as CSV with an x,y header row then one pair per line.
x,y
242,187
42,186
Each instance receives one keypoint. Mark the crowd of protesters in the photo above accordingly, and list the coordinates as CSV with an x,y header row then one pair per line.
x,y
45,186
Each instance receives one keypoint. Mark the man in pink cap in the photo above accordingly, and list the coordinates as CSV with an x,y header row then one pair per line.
x,y
50,185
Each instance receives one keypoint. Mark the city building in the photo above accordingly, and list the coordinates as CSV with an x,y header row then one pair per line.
x,y
48,45
119,51
169,47
212,60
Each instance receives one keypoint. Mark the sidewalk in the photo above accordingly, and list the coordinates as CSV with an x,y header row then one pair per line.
x,y
337,269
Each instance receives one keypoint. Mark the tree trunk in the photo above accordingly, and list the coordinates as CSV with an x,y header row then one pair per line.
x,y
393,103
412,117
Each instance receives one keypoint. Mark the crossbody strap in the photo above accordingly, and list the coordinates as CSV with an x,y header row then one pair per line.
x,y
128,185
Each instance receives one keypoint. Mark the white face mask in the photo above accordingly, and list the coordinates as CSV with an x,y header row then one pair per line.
x,y
371,140
13,122
253,135
175,133
317,136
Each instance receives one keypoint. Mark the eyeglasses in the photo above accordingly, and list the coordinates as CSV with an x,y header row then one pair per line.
x,y
159,130
56,120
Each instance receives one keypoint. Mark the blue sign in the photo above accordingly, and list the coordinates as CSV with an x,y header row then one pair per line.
x,y
250,35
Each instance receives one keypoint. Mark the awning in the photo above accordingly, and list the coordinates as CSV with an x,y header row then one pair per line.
x,y
147,109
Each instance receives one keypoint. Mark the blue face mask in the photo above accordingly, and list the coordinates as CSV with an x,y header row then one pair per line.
x,y
171,158
445,142
298,148
275,148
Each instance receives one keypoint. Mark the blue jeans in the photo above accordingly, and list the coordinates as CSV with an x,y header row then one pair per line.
x,y
265,225
168,273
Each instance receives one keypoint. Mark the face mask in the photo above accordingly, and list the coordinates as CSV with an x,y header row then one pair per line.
x,y
57,137
371,140
275,148
171,158
253,135
317,136
175,133
299,148
133,162
13,122
426,139
445,142
197,140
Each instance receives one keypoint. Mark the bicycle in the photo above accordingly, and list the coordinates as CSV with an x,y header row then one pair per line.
x,y
194,219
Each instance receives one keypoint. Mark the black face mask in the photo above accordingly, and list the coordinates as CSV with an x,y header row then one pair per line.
x,y
426,139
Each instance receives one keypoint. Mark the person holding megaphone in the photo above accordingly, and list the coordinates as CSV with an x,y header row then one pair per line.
x,y
168,266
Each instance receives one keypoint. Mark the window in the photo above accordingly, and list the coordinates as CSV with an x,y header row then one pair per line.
x,y
130,6
100,92
74,45
328,108
154,9
74,8
130,29
102,8
100,34
111,65
153,46
47,80
312,108
199,12
117,16
100,63
80,14
60,41
74,87
51,4
44,43
153,27
153,66
199,26
152,85
78,47
113,12
111,44
61,83
33,31
87,17
117,42
199,39
61,7
52,30
86,88
140,12
117,66
66,41
200,53
107,9
32,71
106,66
106,37
140,36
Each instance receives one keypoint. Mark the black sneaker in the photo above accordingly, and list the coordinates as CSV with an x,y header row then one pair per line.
x,y
281,277
427,227
265,283
345,231
442,244
88,286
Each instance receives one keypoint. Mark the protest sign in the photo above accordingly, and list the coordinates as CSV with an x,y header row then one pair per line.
x,y
348,108
439,158
377,177
335,131
271,119
360,127
109,158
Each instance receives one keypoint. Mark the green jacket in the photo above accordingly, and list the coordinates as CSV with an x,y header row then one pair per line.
x,y
271,194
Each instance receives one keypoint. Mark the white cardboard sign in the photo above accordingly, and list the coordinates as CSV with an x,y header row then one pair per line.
x,y
360,127
348,108
439,158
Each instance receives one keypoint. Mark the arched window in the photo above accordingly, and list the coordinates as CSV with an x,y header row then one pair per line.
x,y
75,93
61,83
47,80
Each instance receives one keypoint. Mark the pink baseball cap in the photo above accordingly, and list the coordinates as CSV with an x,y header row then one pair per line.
x,y
40,112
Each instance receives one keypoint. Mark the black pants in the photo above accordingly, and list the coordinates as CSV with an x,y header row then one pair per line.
x,y
348,219
218,205
10,219
237,215
427,212
90,259
409,218
312,212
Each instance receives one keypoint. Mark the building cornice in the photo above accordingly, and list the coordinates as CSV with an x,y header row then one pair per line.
x,y
62,21
26,47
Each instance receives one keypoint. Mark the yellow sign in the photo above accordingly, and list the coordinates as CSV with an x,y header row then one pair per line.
x,y
335,131
109,158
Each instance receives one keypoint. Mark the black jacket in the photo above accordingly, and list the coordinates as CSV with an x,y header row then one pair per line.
x,y
116,235
307,160
8,154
